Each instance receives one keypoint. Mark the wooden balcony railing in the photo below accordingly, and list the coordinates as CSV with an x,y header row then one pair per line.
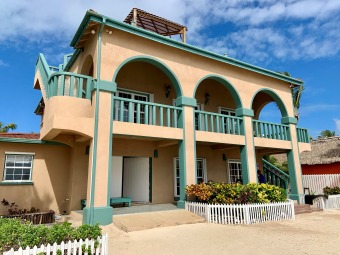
x,y
270,130
218,123
302,135
135,111
69,84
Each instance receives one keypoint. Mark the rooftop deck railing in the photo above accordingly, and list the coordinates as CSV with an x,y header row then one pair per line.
x,y
270,130
69,84
135,111
218,123
302,135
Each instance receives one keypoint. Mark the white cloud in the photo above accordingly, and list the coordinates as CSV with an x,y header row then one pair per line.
x,y
254,31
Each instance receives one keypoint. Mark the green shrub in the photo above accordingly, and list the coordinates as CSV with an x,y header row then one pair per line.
x,y
331,191
223,193
15,233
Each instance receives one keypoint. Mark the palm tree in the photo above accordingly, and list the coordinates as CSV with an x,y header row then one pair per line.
x,y
5,128
296,95
326,133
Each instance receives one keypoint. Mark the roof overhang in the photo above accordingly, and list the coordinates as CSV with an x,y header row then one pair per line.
x,y
91,17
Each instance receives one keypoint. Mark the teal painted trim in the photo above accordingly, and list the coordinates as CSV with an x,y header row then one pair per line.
x,y
107,86
110,152
95,136
29,141
73,58
9,183
226,83
157,63
195,148
187,101
181,204
182,161
240,112
244,155
276,98
92,16
150,179
289,120
101,215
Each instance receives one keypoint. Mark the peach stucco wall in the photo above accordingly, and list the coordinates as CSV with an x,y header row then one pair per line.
x,y
50,177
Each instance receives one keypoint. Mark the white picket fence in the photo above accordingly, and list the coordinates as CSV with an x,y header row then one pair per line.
x,y
243,214
69,248
316,183
332,202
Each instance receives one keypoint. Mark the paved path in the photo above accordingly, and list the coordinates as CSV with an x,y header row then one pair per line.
x,y
314,233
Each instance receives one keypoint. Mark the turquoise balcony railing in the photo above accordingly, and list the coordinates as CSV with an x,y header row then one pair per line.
x,y
270,130
69,84
218,123
302,135
135,111
275,176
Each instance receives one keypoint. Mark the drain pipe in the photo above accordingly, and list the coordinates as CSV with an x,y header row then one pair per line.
x,y
96,119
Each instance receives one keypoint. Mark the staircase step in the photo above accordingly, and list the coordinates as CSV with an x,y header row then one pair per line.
x,y
304,208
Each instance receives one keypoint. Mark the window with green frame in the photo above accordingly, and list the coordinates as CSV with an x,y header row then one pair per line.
x,y
201,174
18,167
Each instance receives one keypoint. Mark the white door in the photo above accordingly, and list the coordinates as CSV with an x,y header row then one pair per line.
x,y
136,179
116,177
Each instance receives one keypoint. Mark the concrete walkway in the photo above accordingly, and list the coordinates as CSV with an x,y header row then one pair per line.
x,y
142,217
143,221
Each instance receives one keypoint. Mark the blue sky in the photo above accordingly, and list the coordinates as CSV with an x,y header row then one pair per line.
x,y
298,36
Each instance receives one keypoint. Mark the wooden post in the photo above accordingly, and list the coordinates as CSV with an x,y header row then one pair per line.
x,y
134,17
184,37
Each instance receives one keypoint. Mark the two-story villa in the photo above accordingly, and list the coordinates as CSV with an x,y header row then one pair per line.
x,y
134,113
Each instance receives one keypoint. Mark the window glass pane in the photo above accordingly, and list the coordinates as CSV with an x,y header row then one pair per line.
x,y
17,178
18,167
8,177
26,177
18,171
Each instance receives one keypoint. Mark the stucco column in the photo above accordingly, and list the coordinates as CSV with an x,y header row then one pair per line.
x,y
293,157
248,156
187,147
98,208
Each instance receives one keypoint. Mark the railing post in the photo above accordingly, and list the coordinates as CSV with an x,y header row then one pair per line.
x,y
248,160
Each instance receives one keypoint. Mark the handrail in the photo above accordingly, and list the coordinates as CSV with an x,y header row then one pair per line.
x,y
265,129
218,123
140,112
302,135
276,168
44,70
275,176
70,84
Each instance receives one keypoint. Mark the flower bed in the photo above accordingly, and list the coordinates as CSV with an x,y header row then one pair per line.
x,y
35,218
223,193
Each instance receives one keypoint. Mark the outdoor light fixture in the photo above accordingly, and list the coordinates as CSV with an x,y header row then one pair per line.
x,y
224,157
93,32
167,91
207,98
155,153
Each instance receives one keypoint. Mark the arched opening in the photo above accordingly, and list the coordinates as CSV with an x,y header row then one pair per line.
x,y
151,82
214,94
268,101
87,68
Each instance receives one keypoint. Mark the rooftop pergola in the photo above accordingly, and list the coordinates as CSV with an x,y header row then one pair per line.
x,y
155,24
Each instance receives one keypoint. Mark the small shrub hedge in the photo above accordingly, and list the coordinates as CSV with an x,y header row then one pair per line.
x,y
15,233
331,191
223,193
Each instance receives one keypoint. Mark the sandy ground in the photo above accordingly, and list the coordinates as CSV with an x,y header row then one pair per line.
x,y
314,233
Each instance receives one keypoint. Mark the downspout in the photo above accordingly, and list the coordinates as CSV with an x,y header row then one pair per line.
x,y
96,119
